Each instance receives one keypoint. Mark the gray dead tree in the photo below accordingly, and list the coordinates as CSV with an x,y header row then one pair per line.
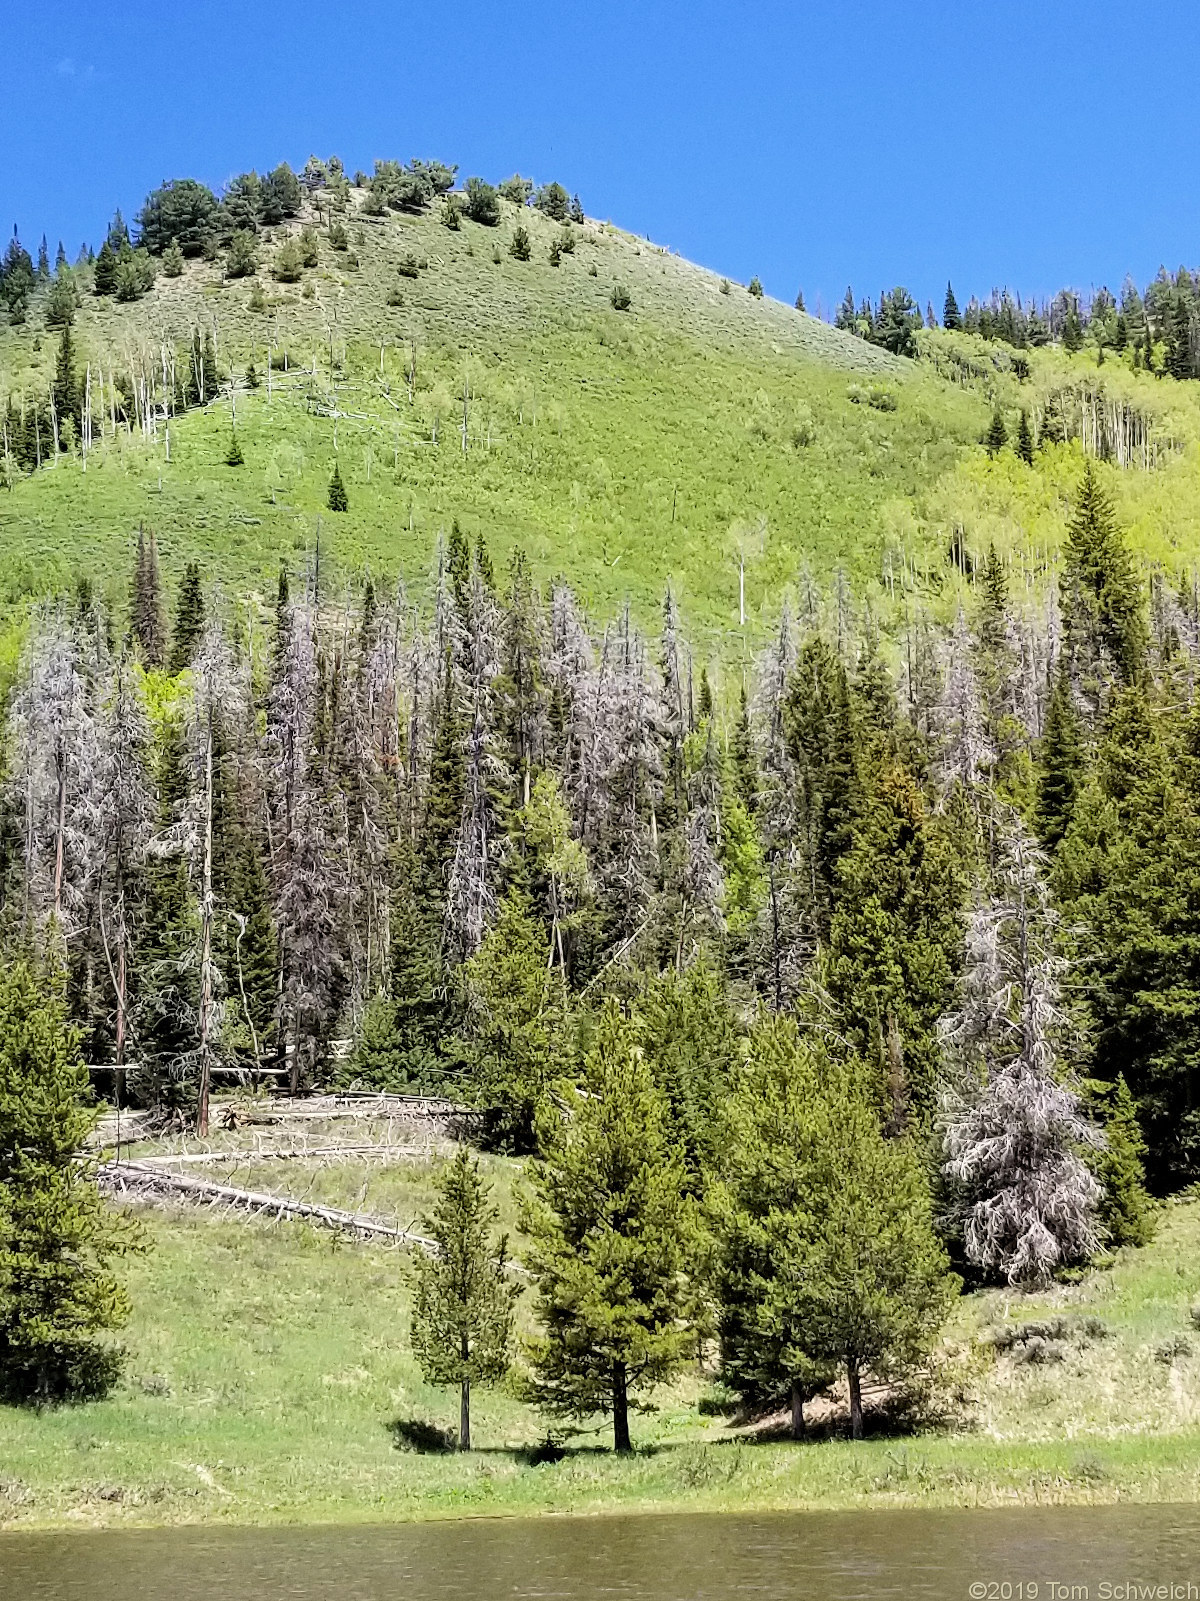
x,y
1014,1131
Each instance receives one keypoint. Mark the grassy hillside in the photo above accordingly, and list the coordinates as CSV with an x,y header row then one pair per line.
x,y
628,450
270,1379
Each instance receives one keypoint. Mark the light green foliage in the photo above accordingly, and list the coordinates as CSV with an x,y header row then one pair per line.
x,y
762,1211
241,259
462,1320
610,1238
516,1023
1126,1212
828,1253
58,1293
690,1034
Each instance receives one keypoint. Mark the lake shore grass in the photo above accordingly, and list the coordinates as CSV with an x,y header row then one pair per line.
x,y
269,1381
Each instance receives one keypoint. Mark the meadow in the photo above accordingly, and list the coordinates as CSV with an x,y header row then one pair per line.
x,y
269,1379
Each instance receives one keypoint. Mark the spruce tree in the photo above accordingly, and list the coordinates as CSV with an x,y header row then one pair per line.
x,y
610,1237
463,1302
997,435
1102,599
950,313
1024,440
1126,1212
875,1289
1060,761
761,1209
66,389
147,613
104,280
894,941
515,1012
58,1237
337,499
234,456
743,756
189,620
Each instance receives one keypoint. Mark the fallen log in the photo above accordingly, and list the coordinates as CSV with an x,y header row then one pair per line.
x,y
247,1158
133,1179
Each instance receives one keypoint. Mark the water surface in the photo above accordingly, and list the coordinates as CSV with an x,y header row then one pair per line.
x,y
1050,1554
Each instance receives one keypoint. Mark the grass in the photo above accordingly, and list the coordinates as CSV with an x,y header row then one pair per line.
x,y
627,450
269,1380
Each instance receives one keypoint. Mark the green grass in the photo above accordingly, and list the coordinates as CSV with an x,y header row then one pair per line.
x,y
269,1370
625,450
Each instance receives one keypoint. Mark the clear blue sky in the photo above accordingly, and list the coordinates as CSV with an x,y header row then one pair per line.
x,y
815,144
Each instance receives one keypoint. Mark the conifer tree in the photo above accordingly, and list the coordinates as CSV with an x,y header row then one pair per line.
x,y
147,613
894,942
1102,601
519,248
1060,761
1126,1211
189,620
762,1208
1024,440
610,1239
104,280
337,499
58,1238
743,756
515,1017
462,1319
66,389
1014,1126
876,1290
234,456
997,434
950,314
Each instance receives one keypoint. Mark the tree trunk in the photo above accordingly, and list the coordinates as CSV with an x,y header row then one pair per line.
x,y
797,1411
855,1398
620,1409
464,1416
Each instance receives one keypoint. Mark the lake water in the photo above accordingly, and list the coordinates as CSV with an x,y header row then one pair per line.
x,y
1063,1554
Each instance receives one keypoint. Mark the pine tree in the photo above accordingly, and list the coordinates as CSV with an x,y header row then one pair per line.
x,y
950,313
610,1239
1102,601
463,1302
894,940
875,1289
189,620
147,613
1024,440
337,499
66,388
57,1235
1126,1212
234,456
515,1011
1060,761
997,434
761,1210
744,758
104,279
520,249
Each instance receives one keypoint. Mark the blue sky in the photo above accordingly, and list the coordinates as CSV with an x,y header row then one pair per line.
x,y
815,144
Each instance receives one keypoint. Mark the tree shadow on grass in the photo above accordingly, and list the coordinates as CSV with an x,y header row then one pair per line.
x,y
421,1436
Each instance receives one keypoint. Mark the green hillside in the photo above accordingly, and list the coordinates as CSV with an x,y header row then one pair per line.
x,y
627,449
